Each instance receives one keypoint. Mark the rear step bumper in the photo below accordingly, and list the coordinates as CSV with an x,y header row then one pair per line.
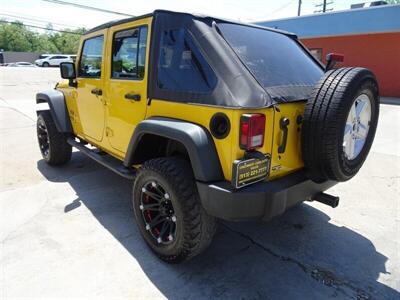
x,y
106,160
261,201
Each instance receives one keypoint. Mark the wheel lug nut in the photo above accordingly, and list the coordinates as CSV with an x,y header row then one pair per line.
x,y
173,219
153,184
159,240
166,196
141,207
170,238
143,189
147,227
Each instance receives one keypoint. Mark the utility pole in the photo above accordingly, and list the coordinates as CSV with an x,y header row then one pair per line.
x,y
299,9
324,5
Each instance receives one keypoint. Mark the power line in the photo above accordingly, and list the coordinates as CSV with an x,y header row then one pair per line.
x,y
40,27
280,8
36,20
88,7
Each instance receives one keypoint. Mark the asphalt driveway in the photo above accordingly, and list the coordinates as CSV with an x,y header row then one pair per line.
x,y
69,231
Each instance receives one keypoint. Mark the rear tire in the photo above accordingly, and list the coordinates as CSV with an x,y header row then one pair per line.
x,y
190,229
336,105
52,143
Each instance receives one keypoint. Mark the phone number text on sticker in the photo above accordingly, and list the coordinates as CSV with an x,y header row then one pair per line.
x,y
249,171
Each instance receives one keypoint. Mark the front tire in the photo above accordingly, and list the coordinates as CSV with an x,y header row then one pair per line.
x,y
168,211
52,143
45,65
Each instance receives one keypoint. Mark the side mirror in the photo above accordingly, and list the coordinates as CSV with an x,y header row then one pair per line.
x,y
68,72
332,59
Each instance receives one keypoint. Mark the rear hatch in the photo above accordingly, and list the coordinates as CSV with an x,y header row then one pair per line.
x,y
286,141
281,145
287,72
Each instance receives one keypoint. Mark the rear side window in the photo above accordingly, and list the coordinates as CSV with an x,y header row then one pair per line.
x,y
91,57
129,53
181,66
275,59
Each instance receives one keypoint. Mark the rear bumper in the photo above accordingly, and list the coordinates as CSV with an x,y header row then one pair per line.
x,y
260,201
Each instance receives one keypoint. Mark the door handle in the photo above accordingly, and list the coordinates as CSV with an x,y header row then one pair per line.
x,y
97,92
132,96
284,122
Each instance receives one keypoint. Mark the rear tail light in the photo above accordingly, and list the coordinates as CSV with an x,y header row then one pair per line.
x,y
252,129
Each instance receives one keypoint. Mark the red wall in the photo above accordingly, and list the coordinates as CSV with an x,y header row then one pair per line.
x,y
378,52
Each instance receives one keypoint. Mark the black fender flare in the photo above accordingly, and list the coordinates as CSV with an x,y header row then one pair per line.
x,y
196,139
58,109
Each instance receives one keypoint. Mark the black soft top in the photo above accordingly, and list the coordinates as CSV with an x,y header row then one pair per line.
x,y
235,85
178,15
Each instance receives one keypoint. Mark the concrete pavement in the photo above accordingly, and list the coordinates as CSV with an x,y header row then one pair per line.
x,y
69,231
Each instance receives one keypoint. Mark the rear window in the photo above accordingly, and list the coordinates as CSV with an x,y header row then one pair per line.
x,y
274,58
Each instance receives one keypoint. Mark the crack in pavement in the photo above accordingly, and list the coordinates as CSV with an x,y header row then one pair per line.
x,y
326,277
17,111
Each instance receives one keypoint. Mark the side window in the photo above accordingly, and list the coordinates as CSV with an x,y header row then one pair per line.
x,y
129,53
181,66
91,57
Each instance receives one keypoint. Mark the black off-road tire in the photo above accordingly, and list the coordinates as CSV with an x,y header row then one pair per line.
x,y
194,227
325,119
59,151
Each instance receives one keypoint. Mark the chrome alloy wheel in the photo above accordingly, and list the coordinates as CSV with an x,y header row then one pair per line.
x,y
43,137
357,126
158,213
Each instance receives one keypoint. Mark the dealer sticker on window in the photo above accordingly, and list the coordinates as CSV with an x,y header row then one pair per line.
x,y
249,171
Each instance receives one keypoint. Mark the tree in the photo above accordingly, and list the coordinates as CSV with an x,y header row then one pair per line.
x,y
17,37
66,42
49,29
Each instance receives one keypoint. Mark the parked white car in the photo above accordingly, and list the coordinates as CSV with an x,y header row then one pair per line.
x,y
54,60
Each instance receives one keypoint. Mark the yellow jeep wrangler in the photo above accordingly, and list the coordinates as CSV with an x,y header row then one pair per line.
x,y
210,119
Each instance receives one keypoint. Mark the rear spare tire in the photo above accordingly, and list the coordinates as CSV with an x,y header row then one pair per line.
x,y
339,124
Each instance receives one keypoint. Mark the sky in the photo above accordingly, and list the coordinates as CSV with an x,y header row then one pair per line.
x,y
62,16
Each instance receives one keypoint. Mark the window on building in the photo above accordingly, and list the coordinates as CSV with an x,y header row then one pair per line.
x,y
129,53
91,58
181,66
